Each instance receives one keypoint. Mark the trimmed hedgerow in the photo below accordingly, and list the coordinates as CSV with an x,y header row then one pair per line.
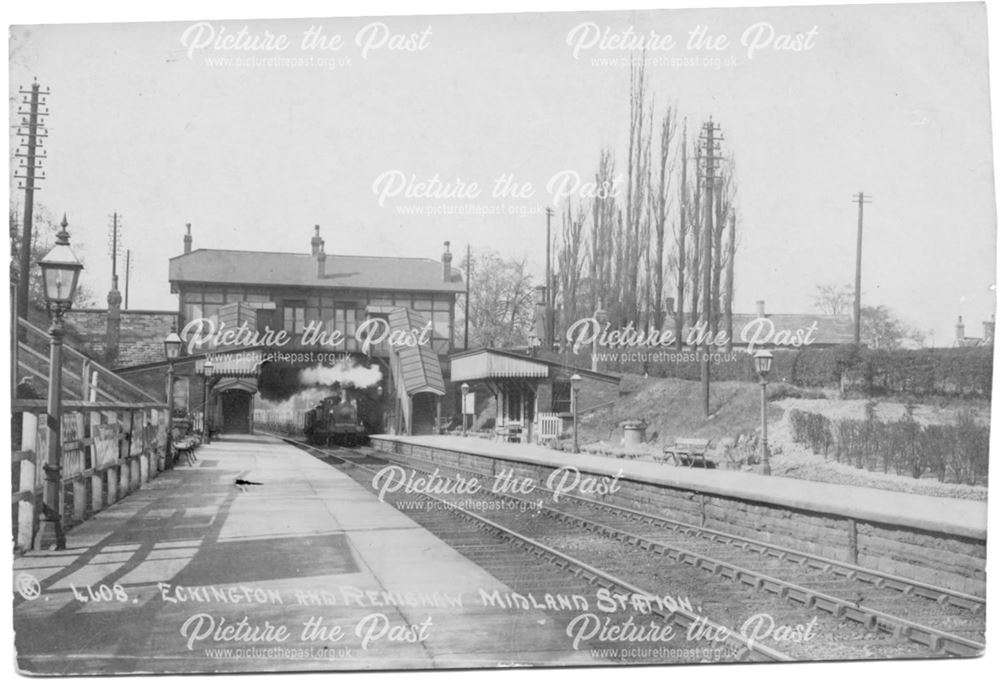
x,y
957,452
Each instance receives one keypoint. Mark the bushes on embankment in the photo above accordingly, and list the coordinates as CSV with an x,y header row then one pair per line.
x,y
958,452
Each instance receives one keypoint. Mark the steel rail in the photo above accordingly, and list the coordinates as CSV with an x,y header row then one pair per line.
x,y
935,639
943,596
746,647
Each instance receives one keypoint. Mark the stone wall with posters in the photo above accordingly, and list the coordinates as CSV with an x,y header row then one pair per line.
x,y
141,336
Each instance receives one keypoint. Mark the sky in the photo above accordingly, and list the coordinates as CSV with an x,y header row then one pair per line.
x,y
168,124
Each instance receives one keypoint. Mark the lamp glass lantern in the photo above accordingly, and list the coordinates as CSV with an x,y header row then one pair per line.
x,y
207,368
172,345
60,271
762,363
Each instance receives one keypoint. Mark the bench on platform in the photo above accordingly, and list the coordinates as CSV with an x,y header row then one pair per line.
x,y
689,453
186,447
510,432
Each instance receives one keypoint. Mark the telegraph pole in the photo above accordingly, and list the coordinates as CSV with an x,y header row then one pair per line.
x,y
468,287
711,143
861,199
128,273
114,323
549,294
32,132
114,247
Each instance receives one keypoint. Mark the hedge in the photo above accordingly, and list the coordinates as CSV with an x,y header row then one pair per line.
x,y
966,372
958,452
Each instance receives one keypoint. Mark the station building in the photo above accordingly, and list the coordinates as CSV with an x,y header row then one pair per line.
x,y
331,309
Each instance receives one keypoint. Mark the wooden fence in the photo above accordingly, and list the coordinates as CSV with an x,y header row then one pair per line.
x,y
550,427
109,450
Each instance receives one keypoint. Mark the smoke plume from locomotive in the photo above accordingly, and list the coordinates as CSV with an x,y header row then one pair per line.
x,y
345,375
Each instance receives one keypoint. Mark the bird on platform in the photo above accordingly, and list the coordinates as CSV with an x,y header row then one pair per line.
x,y
242,484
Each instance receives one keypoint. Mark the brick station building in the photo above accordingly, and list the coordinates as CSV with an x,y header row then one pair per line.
x,y
296,293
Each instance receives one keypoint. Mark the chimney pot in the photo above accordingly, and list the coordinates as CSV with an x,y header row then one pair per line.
x,y
321,261
760,308
187,240
316,242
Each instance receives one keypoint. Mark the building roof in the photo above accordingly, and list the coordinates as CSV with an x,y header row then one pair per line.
x,y
486,363
224,266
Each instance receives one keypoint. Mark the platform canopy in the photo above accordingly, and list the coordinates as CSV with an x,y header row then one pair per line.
x,y
494,364
238,363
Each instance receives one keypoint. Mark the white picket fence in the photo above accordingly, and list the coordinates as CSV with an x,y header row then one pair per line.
x,y
549,427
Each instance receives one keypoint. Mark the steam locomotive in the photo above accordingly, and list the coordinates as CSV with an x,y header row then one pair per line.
x,y
335,422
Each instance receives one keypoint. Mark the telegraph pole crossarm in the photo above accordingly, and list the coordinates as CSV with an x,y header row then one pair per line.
x,y
32,130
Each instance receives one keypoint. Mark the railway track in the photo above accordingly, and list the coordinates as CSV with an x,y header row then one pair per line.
x,y
526,566
848,605
946,621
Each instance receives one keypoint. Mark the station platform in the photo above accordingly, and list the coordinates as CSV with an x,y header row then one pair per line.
x,y
193,575
965,518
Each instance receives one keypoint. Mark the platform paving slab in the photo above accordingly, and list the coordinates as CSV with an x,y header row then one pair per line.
x,y
141,584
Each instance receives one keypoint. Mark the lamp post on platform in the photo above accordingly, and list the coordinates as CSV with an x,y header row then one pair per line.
x,y
762,364
60,274
574,383
207,373
465,394
172,350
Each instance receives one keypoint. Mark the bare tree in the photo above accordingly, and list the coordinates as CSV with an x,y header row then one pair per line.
x,y
724,248
571,259
501,301
681,231
661,205
833,299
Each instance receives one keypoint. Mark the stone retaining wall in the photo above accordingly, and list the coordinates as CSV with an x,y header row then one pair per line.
x,y
950,561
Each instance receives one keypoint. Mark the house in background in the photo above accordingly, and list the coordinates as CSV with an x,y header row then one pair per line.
x,y
989,328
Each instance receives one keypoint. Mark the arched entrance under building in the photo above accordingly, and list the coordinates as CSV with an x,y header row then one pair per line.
x,y
233,404
237,407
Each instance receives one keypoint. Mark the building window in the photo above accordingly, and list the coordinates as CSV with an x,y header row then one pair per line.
x,y
294,313
562,401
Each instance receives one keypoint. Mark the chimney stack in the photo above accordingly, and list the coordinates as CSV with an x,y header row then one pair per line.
x,y
989,329
320,258
760,309
317,242
959,330
187,240
446,263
